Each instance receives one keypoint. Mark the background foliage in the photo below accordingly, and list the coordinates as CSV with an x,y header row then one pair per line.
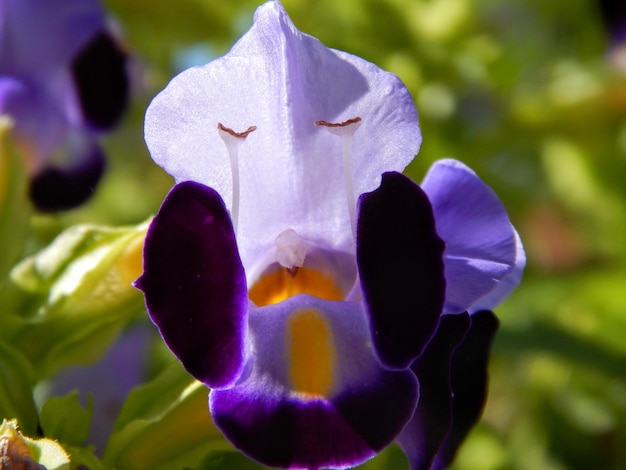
x,y
527,94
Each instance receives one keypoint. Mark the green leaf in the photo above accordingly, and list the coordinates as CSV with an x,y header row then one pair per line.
x,y
64,419
85,280
84,458
153,400
85,263
164,424
16,382
14,207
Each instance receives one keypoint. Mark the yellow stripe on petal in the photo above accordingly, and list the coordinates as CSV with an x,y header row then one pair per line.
x,y
311,352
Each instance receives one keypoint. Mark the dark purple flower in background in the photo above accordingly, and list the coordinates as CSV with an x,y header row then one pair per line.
x,y
62,81
613,14
297,273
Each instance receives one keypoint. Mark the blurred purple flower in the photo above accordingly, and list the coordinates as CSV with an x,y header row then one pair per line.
x,y
613,14
62,80
108,381
311,314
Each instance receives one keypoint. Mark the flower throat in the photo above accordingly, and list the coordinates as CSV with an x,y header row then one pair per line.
x,y
288,277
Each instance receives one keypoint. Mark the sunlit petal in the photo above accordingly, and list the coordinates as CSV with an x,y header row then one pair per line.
x,y
282,81
481,246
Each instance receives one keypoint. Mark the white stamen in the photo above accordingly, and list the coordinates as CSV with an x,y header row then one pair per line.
x,y
232,140
346,131
290,249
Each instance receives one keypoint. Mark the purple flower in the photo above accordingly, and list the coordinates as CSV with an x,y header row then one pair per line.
x,y
484,261
62,80
294,270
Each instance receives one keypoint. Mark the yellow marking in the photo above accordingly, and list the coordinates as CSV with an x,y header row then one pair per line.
x,y
311,352
281,284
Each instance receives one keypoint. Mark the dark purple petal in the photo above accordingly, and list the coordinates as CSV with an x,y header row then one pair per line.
x,y
469,383
400,260
614,16
57,188
285,432
422,437
194,283
379,407
101,80
271,420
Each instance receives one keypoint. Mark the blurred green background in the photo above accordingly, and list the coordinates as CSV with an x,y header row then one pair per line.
x,y
527,94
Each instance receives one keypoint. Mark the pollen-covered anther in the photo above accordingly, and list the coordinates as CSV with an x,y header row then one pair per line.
x,y
232,140
240,135
341,128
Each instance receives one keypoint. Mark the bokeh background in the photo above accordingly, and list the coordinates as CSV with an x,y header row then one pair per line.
x,y
530,94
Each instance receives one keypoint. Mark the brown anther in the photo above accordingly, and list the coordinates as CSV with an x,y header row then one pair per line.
x,y
241,135
338,124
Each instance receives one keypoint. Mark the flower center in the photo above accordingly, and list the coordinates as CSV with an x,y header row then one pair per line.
x,y
281,283
293,272
311,352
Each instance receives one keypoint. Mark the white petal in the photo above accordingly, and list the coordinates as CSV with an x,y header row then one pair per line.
x,y
282,81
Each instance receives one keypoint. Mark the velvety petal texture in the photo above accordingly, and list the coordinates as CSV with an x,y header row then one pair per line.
x,y
61,75
423,436
195,284
469,380
279,420
483,255
400,260
282,81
